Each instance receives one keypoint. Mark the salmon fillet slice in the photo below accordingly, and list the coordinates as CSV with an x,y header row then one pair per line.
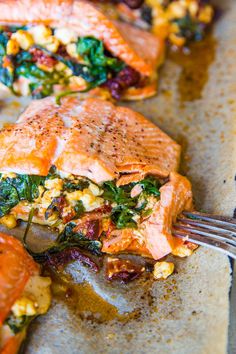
x,y
154,237
122,40
16,267
91,138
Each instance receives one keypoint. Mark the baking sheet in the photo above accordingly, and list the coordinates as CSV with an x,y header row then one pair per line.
x,y
189,312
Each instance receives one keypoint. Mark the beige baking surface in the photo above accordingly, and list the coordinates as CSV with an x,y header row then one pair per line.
x,y
188,313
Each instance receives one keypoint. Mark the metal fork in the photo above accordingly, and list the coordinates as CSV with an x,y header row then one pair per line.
x,y
213,231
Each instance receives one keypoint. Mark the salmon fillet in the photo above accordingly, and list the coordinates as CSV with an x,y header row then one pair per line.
x,y
91,138
137,48
16,267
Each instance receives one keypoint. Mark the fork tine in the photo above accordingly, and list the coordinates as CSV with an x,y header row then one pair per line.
x,y
215,219
208,241
193,229
228,231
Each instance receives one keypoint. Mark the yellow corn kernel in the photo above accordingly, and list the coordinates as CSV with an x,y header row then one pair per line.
x,y
78,82
60,66
206,14
176,40
193,8
176,10
45,68
163,270
9,221
24,39
12,47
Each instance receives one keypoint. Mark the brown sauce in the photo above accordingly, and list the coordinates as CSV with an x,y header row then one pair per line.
x,y
84,302
194,67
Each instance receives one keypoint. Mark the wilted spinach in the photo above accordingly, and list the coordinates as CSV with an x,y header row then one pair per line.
x,y
17,324
126,208
13,190
78,185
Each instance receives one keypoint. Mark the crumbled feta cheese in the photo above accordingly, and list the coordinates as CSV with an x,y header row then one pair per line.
x,y
55,183
24,307
9,221
65,35
41,34
182,251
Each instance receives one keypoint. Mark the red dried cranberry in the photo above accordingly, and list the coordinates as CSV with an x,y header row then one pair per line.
x,y
134,4
68,255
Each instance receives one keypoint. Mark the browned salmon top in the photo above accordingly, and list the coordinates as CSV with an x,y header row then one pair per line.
x,y
91,138
137,48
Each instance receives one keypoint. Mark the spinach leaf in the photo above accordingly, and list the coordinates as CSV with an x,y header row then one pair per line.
x,y
93,52
151,186
6,77
13,190
189,28
79,209
126,208
70,237
78,185
122,216
22,57
17,324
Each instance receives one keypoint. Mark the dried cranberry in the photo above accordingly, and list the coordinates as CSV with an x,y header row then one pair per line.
x,y
71,254
126,78
134,4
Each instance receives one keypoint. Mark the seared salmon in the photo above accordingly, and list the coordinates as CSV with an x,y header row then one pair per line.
x,y
17,269
137,48
115,174
91,138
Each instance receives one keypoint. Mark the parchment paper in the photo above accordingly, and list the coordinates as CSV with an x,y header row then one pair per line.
x,y
189,312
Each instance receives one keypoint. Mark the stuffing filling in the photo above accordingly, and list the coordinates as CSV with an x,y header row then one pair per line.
x,y
60,199
39,61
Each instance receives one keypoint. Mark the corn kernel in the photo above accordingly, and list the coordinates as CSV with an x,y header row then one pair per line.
x,y
206,14
9,221
24,39
163,270
12,47
78,82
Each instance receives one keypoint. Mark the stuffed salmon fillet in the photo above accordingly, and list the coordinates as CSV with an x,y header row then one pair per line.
x,y
24,294
51,46
93,169
178,21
